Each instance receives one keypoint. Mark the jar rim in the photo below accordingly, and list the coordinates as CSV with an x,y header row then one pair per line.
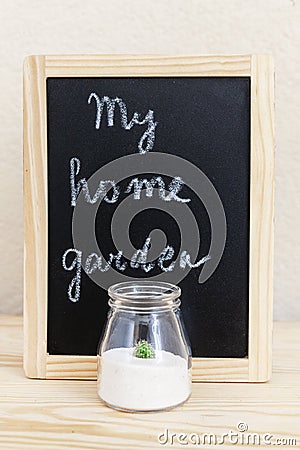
x,y
144,295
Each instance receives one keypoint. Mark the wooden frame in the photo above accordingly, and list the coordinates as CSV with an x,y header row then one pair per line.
x,y
39,364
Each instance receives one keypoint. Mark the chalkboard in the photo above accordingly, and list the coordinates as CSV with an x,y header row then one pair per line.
x,y
149,177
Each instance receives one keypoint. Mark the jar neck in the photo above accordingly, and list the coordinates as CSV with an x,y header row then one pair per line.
x,y
144,296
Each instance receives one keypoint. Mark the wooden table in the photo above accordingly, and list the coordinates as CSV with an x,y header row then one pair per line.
x,y
55,414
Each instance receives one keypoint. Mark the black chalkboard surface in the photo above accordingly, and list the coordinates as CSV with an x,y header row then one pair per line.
x,y
156,167
205,121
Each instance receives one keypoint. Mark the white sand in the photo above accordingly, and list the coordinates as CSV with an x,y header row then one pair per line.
x,y
143,384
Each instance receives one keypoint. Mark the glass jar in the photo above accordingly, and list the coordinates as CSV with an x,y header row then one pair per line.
x,y
144,359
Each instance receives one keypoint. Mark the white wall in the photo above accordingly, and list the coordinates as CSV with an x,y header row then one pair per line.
x,y
143,26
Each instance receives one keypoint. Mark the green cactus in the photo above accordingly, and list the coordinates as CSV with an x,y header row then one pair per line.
x,y
144,350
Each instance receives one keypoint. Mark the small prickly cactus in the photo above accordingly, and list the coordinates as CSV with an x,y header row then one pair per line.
x,y
144,350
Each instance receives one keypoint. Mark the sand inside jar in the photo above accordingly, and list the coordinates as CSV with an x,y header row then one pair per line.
x,y
132,383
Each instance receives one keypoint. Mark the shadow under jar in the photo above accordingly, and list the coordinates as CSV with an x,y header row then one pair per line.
x,y
144,359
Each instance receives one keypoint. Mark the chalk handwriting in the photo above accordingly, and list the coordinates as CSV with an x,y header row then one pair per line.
x,y
166,255
185,260
103,187
136,185
138,260
174,187
147,140
74,286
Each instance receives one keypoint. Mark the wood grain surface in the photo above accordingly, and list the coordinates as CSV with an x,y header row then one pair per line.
x,y
35,218
261,218
67,414
147,65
